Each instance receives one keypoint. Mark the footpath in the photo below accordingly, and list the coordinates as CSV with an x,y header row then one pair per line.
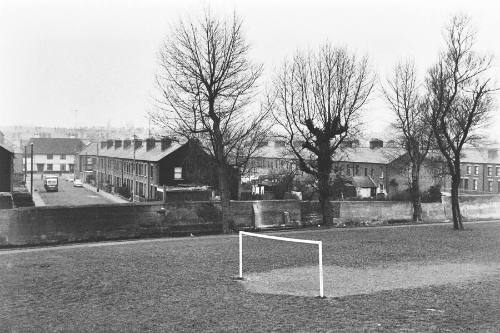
x,y
105,194
37,199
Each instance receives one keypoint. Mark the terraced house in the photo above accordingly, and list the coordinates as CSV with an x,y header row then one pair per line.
x,y
144,167
53,155
480,171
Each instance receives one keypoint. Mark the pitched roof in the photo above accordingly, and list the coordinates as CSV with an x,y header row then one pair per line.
x,y
68,146
6,147
141,153
383,155
363,181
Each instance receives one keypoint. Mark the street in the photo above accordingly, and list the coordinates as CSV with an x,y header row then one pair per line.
x,y
68,195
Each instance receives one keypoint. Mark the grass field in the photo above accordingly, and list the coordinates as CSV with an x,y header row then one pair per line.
x,y
186,284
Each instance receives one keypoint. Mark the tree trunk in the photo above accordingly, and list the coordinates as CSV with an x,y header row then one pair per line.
x,y
415,194
324,169
224,198
455,206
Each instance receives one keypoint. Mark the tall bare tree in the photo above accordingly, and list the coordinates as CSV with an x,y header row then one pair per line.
x,y
403,95
316,100
207,83
460,94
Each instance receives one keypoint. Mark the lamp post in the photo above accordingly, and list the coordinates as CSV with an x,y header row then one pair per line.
x,y
97,168
25,163
31,182
133,173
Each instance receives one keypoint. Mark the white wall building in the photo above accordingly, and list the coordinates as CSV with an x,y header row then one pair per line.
x,y
53,155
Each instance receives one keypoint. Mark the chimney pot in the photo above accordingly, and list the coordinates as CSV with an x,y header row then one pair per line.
x,y
376,143
150,143
165,143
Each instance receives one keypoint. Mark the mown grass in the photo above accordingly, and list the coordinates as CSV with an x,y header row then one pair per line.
x,y
187,285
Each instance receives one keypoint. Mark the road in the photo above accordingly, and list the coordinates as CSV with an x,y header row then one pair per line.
x,y
68,195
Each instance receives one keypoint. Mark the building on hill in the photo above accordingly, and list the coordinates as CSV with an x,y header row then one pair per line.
x,y
53,155
145,167
6,168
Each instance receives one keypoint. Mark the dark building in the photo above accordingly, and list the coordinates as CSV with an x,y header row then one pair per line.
x,y
145,167
6,168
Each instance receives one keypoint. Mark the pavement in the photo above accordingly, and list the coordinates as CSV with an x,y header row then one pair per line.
x,y
105,194
37,199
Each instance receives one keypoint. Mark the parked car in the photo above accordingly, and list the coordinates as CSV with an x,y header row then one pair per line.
x,y
77,183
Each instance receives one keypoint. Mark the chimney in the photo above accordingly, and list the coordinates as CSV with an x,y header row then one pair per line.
x,y
492,153
118,144
109,143
150,143
103,144
126,144
376,143
165,143
137,143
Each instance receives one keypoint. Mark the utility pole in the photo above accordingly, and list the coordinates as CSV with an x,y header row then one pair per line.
x,y
133,173
25,163
31,182
97,168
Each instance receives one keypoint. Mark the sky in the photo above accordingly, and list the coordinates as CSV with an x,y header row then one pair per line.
x,y
85,63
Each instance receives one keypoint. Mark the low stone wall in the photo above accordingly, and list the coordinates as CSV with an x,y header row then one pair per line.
x,y
56,224
346,212
475,207
265,214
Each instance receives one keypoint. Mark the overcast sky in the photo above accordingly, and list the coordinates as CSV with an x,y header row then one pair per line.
x,y
100,57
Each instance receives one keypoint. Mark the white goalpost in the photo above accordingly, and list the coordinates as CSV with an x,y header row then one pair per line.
x,y
286,239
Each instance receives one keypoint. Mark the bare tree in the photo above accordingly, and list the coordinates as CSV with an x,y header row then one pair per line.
x,y
402,93
316,100
460,99
207,83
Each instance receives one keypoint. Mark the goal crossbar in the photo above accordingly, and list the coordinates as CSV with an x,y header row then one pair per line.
x,y
286,239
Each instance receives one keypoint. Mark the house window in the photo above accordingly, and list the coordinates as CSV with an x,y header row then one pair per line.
x,y
366,171
63,156
39,167
71,167
466,183
151,171
178,173
498,171
371,172
467,170
357,170
49,167
50,156
348,170
474,184
381,186
490,186
490,171
63,167
476,170
498,187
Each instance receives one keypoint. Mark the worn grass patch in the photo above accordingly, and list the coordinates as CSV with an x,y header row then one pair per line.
x,y
345,281
186,285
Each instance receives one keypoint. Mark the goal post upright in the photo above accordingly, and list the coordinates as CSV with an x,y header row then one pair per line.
x,y
295,240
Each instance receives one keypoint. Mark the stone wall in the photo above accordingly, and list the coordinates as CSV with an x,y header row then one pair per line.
x,y
475,207
47,225
265,214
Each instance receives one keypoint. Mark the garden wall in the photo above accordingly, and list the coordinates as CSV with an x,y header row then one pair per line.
x,y
46,225
265,214
476,207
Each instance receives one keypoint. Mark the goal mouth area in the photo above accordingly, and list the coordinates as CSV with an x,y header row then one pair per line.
x,y
342,281
318,244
